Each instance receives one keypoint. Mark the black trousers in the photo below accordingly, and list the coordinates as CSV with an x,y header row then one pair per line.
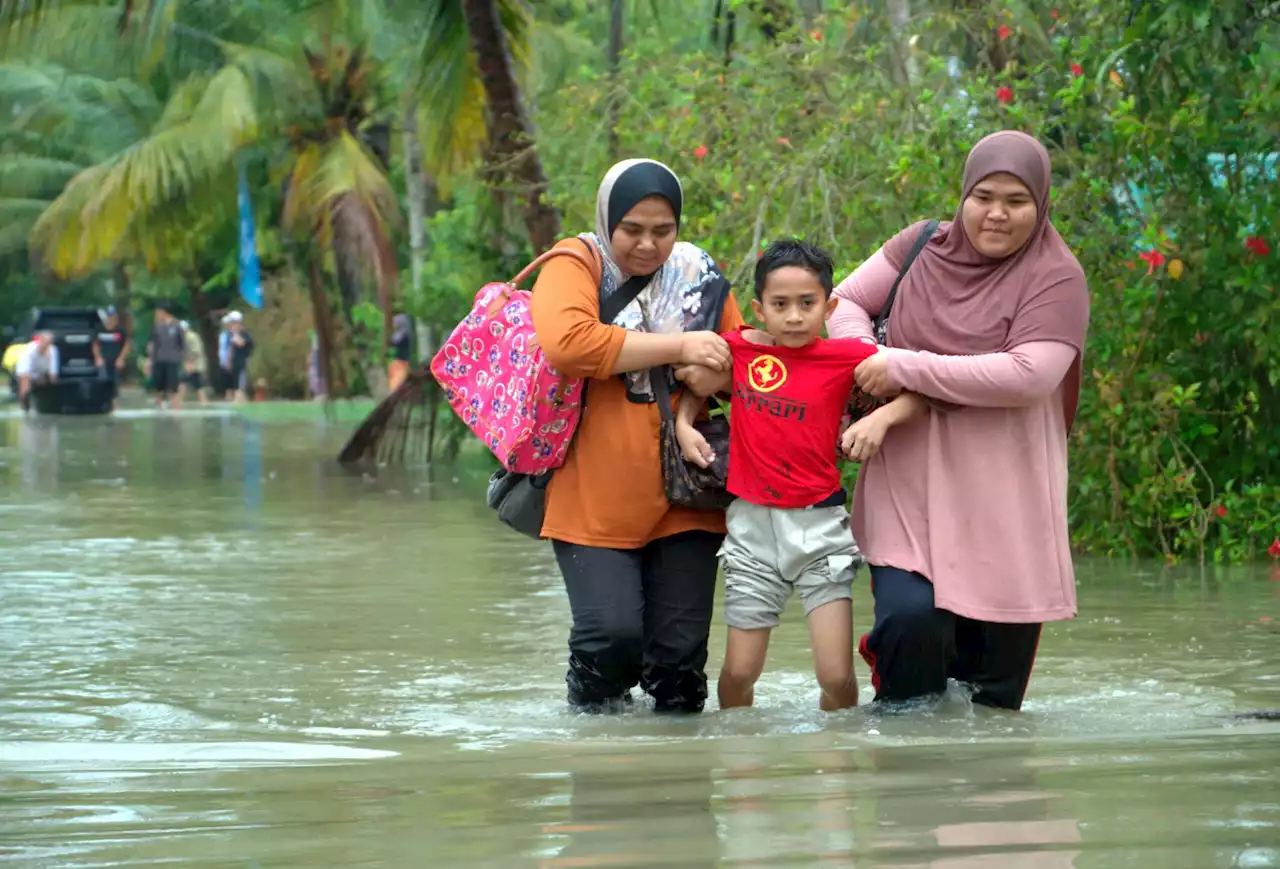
x,y
914,647
640,617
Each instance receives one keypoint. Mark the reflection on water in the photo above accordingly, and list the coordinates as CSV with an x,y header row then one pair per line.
x,y
220,650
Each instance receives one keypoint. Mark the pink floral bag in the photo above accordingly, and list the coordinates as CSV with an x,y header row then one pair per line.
x,y
497,379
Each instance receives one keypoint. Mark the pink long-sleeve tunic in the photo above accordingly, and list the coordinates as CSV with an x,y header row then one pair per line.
x,y
973,498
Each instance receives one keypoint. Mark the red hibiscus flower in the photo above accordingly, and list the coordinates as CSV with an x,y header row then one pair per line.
x,y
1004,94
1274,549
1153,258
1077,70
1054,14
1004,31
1257,245
700,151
1220,512
783,140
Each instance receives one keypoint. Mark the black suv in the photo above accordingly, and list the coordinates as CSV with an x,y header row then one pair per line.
x,y
79,389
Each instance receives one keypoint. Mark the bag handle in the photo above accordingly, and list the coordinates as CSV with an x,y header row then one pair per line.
x,y
593,264
878,321
662,393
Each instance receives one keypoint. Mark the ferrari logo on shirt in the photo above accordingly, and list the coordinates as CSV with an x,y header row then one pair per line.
x,y
766,373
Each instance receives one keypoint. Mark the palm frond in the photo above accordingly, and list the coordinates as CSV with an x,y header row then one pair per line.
x,y
364,209
100,36
170,238
27,175
93,217
183,102
50,101
339,196
280,86
17,209
301,201
454,102
17,216
61,240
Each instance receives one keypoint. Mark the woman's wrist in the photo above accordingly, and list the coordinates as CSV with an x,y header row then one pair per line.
x,y
897,366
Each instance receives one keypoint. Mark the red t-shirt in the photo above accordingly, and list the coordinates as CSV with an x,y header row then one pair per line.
x,y
785,418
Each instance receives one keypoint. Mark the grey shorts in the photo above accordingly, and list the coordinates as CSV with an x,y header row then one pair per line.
x,y
769,551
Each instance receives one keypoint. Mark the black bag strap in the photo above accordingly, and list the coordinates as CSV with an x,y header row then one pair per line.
x,y
625,295
921,240
661,392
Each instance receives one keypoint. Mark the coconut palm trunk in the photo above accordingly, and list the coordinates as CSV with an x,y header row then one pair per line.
x,y
511,134
614,59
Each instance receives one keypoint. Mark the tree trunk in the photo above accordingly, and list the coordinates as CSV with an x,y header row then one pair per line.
x,y
415,194
615,84
323,325
122,298
511,134
899,19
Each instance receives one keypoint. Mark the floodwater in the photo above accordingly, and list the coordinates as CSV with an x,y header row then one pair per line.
x,y
219,650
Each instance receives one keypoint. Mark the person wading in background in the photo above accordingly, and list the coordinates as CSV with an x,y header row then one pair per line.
x,y
238,350
195,363
37,366
111,349
166,352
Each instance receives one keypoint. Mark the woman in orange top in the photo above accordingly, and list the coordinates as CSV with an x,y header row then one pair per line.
x,y
640,573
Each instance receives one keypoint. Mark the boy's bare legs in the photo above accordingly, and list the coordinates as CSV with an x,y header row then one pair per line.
x,y
743,663
831,635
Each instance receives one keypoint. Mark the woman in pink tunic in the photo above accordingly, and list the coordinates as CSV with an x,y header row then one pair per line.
x,y
963,511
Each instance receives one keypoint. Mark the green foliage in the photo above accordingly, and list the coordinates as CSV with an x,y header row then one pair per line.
x,y
850,132
823,120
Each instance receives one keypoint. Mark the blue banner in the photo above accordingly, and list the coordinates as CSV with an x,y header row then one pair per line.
x,y
250,275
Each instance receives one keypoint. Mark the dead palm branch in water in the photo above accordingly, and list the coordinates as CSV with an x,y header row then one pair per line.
x,y
401,430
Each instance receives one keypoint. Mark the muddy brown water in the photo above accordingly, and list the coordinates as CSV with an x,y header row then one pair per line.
x,y
219,650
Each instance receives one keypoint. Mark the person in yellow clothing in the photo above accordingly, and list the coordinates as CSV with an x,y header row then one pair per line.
x,y
640,574
9,363
12,354
194,364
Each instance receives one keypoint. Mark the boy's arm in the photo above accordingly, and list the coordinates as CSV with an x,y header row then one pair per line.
x,y
693,446
687,408
905,407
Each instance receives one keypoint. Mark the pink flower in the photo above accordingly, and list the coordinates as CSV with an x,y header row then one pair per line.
x,y
1077,70
1003,32
1004,94
1257,245
1053,14
1274,549
700,151
1153,258
783,140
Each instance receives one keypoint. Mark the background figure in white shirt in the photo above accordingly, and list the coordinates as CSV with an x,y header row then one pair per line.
x,y
38,366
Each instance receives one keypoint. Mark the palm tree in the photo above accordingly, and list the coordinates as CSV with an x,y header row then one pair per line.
x,y
511,135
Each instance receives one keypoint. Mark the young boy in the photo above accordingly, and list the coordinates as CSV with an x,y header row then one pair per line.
x,y
788,527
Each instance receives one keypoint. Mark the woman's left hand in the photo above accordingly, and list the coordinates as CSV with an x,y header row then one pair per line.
x,y
873,376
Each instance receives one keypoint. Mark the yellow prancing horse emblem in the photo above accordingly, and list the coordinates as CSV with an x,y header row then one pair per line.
x,y
766,373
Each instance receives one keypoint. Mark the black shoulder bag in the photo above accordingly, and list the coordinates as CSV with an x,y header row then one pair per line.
x,y
688,484
862,404
520,500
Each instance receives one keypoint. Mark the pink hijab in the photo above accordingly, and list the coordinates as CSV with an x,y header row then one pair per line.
x,y
958,302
